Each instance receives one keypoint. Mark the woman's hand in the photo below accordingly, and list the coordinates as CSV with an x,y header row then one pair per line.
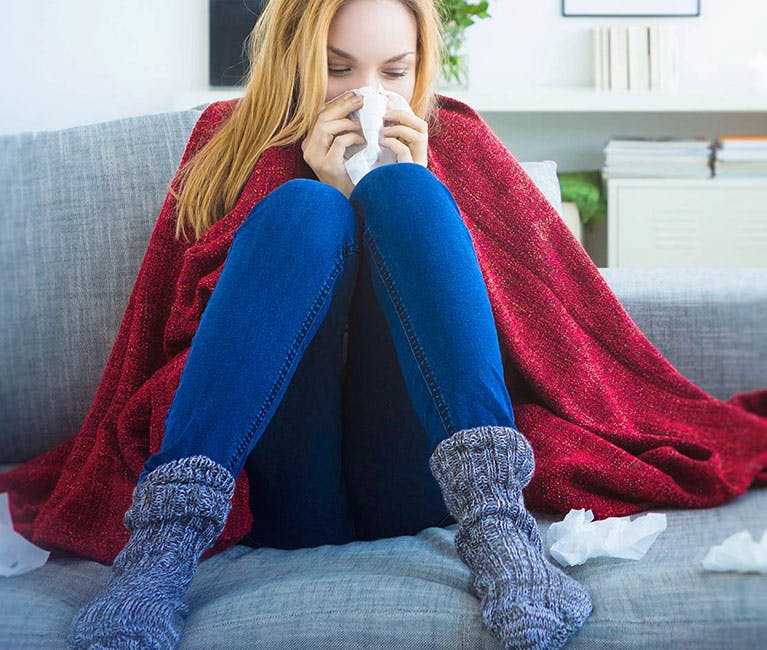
x,y
326,143
407,137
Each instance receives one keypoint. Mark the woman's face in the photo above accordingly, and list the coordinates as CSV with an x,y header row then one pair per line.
x,y
364,35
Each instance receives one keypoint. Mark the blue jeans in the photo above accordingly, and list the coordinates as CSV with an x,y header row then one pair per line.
x,y
338,454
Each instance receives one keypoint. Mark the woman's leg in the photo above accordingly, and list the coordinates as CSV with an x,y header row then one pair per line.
x,y
297,492
261,387
385,446
290,270
427,279
423,356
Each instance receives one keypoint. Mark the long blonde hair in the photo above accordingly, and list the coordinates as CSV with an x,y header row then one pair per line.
x,y
284,92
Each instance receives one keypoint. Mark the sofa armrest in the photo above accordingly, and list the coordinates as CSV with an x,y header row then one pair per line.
x,y
710,323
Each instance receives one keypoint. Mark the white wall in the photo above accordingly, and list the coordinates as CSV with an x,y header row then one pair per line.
x,y
70,62
540,47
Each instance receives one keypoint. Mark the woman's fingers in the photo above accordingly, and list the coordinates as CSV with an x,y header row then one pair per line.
x,y
341,106
400,149
341,143
343,124
333,119
332,133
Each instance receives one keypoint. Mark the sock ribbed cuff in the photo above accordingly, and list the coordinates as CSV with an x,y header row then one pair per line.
x,y
481,462
190,487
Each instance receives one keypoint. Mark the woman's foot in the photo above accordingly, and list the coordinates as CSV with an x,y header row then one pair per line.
x,y
526,601
178,512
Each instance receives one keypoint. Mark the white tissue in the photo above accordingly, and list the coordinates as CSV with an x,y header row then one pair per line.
x,y
17,554
361,158
738,553
578,537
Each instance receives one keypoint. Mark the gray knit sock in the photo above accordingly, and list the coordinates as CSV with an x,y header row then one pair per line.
x,y
178,512
526,601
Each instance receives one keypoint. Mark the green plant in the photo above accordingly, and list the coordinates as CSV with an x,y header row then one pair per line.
x,y
457,15
586,190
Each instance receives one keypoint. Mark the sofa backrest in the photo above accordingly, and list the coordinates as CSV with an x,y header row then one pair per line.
x,y
78,208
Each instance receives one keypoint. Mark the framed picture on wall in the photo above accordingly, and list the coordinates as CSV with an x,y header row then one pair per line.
x,y
631,7
230,22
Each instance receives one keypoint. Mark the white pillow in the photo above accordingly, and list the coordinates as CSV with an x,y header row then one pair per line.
x,y
544,174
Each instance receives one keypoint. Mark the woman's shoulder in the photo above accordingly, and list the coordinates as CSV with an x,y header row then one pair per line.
x,y
211,118
216,112
459,121
452,109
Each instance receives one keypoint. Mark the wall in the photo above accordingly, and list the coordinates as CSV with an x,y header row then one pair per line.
x,y
70,62
551,50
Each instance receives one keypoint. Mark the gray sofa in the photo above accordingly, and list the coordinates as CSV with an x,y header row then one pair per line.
x,y
78,206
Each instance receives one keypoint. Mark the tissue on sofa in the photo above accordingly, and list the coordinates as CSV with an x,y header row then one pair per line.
x,y
361,158
739,552
578,537
17,554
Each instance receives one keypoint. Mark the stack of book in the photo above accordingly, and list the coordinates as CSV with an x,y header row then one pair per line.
x,y
636,58
658,157
740,156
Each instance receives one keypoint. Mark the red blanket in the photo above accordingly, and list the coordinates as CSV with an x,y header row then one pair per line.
x,y
614,426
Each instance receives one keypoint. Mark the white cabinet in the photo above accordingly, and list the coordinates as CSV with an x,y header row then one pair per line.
x,y
686,222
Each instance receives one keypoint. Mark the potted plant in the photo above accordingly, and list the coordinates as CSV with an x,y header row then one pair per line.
x,y
457,15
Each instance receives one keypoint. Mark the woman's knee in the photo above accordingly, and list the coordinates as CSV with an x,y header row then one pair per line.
x,y
302,210
409,200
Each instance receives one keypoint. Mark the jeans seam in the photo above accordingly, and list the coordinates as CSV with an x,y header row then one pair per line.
x,y
423,364
311,316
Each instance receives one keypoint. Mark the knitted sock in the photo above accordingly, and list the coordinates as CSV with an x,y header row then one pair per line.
x,y
178,512
526,601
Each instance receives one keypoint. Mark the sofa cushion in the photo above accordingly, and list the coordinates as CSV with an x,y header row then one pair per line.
x,y
412,592
544,173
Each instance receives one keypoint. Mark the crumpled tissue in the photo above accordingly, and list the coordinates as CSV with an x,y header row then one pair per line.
x,y
359,159
739,552
578,537
17,554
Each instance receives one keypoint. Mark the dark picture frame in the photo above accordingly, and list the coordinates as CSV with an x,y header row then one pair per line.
x,y
631,8
230,23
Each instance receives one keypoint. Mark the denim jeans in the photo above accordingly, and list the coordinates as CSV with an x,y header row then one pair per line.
x,y
334,454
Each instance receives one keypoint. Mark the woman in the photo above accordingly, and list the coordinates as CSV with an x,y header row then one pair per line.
x,y
426,418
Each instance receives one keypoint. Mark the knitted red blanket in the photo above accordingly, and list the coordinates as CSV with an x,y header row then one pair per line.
x,y
614,426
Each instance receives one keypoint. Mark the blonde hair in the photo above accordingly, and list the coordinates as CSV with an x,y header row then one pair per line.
x,y
285,90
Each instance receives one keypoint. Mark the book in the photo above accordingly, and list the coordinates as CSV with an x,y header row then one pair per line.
x,y
673,59
597,57
725,155
619,78
668,48
657,141
741,141
755,169
639,58
658,157
740,156
655,78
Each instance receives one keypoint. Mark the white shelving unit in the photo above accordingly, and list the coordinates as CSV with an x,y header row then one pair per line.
x,y
664,222
586,100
